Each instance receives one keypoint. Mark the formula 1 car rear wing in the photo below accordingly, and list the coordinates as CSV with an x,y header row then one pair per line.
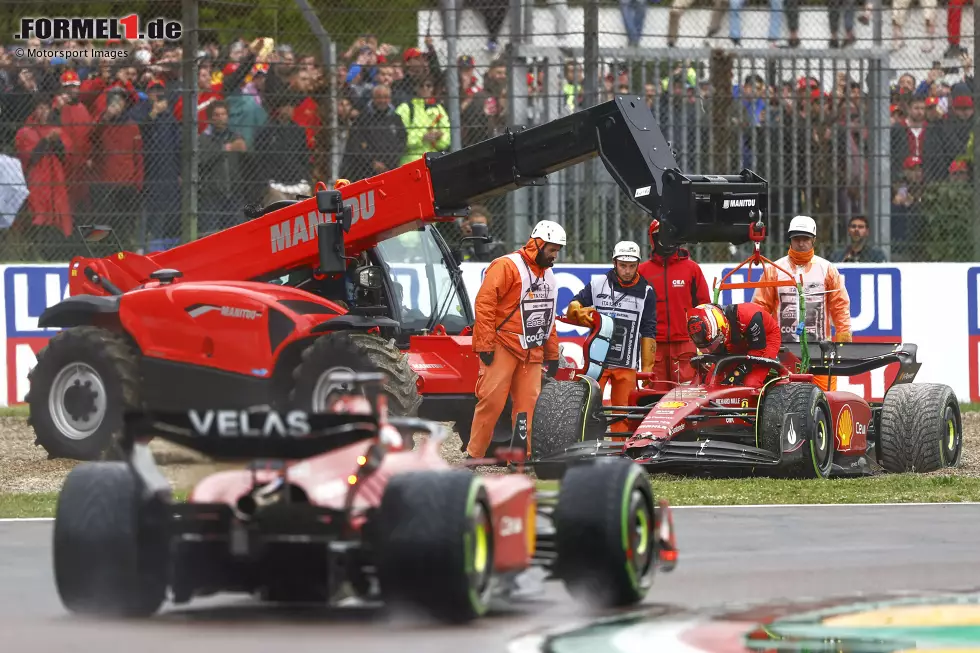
x,y
241,435
621,132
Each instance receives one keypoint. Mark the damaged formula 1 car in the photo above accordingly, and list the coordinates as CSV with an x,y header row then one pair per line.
x,y
790,427
337,506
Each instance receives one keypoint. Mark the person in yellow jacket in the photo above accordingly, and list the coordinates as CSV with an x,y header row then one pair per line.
x,y
623,296
826,300
426,122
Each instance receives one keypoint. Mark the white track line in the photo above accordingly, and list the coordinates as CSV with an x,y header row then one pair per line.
x,y
762,506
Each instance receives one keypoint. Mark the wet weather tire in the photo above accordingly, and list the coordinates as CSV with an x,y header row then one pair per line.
x,y
605,539
565,413
810,451
85,380
920,429
436,544
110,547
355,352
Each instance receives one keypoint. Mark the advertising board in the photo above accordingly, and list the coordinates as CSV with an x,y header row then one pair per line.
x,y
911,302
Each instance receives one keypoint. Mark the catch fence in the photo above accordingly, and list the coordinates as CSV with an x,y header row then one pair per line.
x,y
876,123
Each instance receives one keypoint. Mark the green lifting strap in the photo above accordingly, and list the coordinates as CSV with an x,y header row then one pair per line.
x,y
804,347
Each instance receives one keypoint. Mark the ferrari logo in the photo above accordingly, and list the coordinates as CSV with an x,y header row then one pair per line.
x,y
845,426
671,404
745,403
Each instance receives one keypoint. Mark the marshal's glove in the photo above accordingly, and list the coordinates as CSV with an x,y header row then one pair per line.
x,y
580,315
844,336
737,375
487,358
552,367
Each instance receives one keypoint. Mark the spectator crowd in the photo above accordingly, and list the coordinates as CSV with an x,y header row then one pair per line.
x,y
99,140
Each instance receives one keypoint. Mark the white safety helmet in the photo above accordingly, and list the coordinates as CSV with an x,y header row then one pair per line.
x,y
802,225
626,250
549,232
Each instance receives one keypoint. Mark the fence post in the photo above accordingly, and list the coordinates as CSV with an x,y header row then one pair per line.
x,y
591,93
517,201
451,31
188,195
976,138
328,51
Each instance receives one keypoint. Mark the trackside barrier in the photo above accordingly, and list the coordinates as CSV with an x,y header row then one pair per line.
x,y
934,305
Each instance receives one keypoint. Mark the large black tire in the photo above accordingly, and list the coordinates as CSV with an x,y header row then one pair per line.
x,y
85,380
566,412
920,429
357,352
435,542
110,547
605,539
812,455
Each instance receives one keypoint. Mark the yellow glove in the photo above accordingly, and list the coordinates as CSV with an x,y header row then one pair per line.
x,y
844,336
580,315
648,354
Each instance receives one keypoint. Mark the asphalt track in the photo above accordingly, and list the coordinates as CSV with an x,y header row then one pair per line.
x,y
728,555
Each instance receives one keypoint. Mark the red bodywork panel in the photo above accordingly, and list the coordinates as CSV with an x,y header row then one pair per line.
x,y
666,419
384,206
850,415
446,364
211,335
324,479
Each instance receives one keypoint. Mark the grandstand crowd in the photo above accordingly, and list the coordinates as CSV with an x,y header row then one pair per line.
x,y
99,141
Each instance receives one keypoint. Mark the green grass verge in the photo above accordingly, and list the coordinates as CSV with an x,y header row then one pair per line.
x,y
891,488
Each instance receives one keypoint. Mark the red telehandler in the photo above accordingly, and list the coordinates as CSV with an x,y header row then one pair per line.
x,y
355,279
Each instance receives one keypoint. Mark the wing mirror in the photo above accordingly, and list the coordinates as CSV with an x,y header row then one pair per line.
x,y
331,202
480,234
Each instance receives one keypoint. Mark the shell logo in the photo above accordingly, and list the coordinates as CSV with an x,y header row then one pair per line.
x,y
671,404
845,426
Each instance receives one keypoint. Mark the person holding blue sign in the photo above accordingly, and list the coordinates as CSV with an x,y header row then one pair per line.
x,y
626,298
826,301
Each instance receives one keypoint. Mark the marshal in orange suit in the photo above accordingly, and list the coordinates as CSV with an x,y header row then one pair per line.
x,y
515,333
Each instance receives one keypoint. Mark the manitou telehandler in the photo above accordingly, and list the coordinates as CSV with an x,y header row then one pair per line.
x,y
358,278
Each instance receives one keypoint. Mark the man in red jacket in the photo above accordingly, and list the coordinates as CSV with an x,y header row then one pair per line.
x,y
739,330
680,286
117,153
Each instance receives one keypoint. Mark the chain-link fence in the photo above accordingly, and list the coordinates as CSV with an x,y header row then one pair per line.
x,y
858,115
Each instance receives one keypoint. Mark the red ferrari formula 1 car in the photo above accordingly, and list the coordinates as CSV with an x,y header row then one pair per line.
x,y
789,427
334,506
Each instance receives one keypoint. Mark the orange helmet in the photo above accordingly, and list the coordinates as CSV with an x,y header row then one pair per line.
x,y
708,327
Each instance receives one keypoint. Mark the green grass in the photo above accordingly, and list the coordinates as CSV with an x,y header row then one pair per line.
x,y
27,505
21,410
891,488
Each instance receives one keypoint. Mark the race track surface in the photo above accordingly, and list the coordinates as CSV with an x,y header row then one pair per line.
x,y
728,556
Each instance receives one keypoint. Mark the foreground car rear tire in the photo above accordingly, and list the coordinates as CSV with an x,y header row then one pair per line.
x,y
435,544
564,414
604,533
85,380
810,451
920,429
110,547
